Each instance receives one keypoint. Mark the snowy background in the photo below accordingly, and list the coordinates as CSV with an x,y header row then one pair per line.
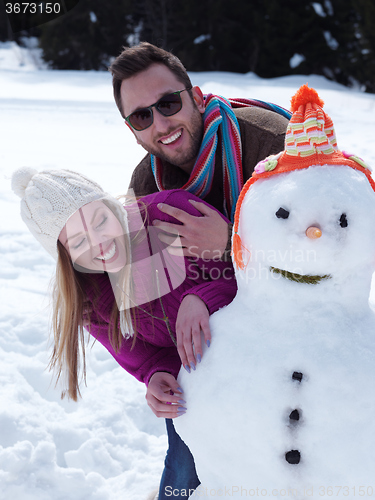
x,y
108,446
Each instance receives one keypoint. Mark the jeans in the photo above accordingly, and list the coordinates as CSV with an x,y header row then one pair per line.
x,y
179,474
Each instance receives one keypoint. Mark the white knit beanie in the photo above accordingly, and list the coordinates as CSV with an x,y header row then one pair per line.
x,y
50,197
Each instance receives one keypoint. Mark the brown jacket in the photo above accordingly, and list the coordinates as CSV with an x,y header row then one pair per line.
x,y
262,134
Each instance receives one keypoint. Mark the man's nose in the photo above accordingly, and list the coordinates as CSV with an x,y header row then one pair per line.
x,y
161,122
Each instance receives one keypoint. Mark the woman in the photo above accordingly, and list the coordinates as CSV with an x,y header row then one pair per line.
x,y
138,297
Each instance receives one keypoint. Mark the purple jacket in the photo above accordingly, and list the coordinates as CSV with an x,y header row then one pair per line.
x,y
154,351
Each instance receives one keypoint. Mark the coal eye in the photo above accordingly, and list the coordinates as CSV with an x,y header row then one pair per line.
x,y
282,213
343,220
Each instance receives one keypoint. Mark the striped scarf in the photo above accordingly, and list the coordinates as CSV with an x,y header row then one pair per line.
x,y
218,112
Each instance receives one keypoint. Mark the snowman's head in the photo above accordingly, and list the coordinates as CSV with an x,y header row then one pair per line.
x,y
308,214
308,226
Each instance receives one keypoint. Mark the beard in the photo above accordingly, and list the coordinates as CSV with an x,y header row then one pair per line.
x,y
187,157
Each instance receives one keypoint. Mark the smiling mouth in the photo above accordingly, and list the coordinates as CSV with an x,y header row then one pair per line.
x,y
172,138
301,278
109,253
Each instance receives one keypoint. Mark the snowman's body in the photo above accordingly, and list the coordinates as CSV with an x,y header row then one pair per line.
x,y
284,399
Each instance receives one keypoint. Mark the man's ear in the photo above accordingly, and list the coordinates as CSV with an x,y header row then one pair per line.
x,y
198,98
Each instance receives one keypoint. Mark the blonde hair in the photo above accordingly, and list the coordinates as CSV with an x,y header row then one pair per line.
x,y
71,313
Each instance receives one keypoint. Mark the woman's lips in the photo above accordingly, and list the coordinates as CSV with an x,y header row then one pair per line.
x,y
109,255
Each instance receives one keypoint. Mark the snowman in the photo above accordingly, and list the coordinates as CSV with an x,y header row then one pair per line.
x,y
283,403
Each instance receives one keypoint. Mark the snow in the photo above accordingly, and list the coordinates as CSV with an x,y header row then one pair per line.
x,y
329,7
27,58
202,38
108,446
296,60
318,9
331,42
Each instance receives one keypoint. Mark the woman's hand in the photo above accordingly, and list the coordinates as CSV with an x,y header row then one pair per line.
x,y
192,317
159,396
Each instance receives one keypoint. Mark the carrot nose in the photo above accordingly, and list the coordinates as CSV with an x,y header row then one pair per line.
x,y
313,232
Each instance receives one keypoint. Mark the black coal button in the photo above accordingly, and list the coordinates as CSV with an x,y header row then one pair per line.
x,y
294,415
293,457
297,376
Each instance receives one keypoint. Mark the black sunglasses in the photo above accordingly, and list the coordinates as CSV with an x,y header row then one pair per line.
x,y
168,105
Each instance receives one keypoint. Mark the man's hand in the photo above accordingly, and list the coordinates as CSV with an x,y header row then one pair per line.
x,y
192,317
159,398
204,237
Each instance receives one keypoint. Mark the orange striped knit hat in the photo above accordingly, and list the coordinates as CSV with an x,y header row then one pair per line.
x,y
310,140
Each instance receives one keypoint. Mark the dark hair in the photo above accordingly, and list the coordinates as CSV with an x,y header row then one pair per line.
x,y
133,60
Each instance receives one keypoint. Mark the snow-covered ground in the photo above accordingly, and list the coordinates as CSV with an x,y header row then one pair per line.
x,y
108,446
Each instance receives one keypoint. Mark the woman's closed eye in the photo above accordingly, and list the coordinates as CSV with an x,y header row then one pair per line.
x,y
102,223
75,247
81,240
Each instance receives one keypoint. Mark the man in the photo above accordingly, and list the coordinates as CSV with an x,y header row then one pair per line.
x,y
194,143
173,132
